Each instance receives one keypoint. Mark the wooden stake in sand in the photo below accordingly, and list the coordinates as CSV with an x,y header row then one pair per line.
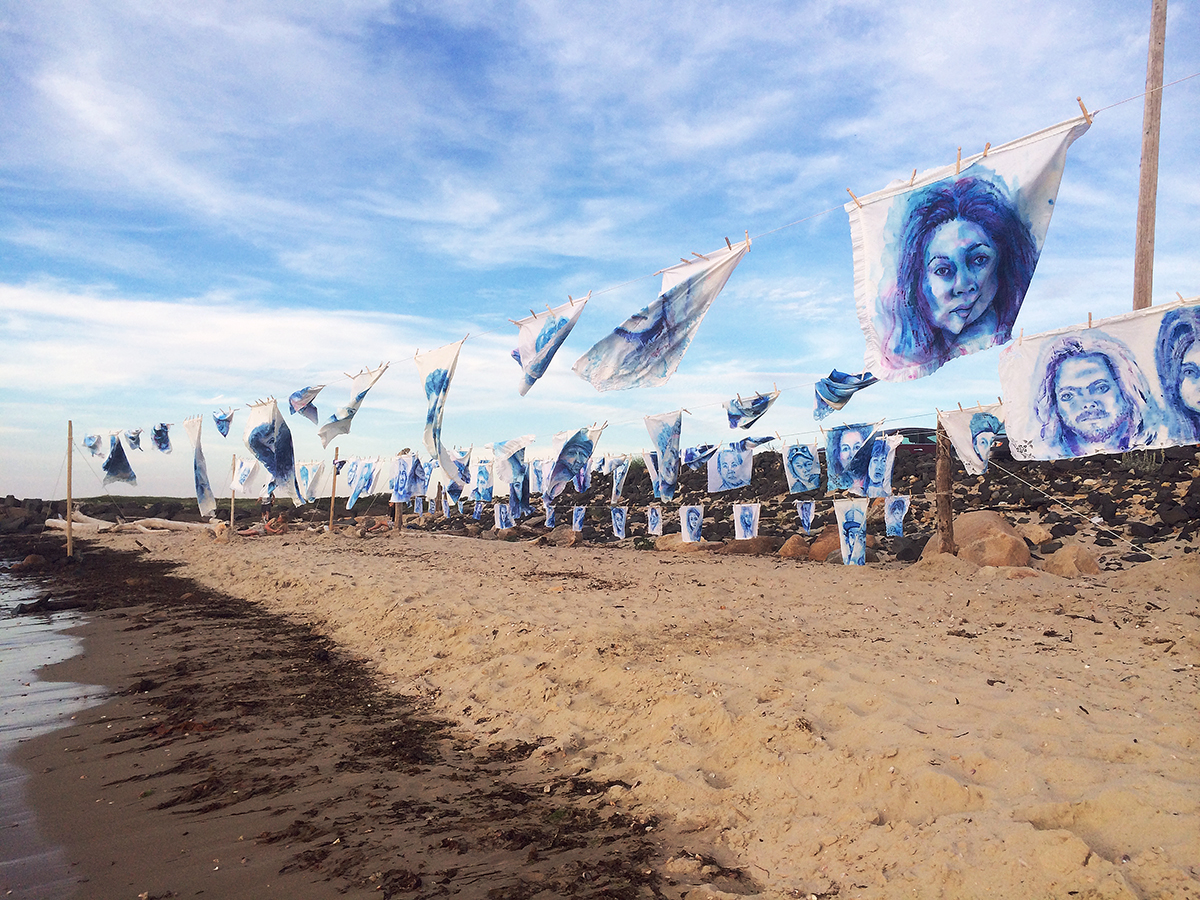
x,y
70,453
1143,258
232,488
333,490
945,514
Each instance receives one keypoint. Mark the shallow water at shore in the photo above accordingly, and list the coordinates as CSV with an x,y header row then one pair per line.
x,y
30,867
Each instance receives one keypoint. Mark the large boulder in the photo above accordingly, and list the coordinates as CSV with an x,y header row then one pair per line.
x,y
795,547
1072,561
676,544
826,542
985,538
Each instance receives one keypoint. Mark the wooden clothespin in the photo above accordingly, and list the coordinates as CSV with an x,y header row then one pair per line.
x,y
700,255
775,386
684,261
1179,295
532,313
1021,337
747,240
852,197
514,321
727,244
1087,115
960,409
913,179
958,162
986,148
1089,320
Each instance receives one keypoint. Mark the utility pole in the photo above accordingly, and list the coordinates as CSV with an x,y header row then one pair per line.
x,y
1143,255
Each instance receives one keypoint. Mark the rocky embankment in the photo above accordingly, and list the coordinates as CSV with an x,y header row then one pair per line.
x,y
1127,503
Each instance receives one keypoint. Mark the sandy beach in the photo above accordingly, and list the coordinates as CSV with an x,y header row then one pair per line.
x,y
784,728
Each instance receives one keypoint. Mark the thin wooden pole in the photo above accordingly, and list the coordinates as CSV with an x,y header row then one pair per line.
x,y
70,511
945,511
232,487
333,490
1143,254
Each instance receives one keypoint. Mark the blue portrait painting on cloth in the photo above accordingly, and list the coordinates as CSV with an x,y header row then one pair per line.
x,y
619,514
745,520
730,468
804,512
303,401
894,510
852,530
550,516
646,349
116,467
133,437
160,436
503,514
654,523
223,421
664,430
802,466
578,514
848,451
691,520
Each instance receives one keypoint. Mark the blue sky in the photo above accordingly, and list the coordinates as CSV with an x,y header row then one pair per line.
x,y
209,203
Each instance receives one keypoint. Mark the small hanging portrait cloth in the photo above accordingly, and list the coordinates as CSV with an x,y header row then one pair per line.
x,y
539,338
835,391
744,413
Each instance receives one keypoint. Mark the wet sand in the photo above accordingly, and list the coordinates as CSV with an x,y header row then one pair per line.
x,y
785,729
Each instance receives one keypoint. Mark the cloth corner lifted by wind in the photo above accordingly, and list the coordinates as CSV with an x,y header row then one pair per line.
x,y
835,391
339,422
744,413
647,348
539,338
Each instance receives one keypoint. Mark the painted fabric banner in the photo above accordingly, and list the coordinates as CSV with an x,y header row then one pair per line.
x,y
540,336
619,515
646,349
730,468
571,452
664,432
549,511
973,434
835,391
691,520
852,530
243,475
160,436
481,474
894,510
879,468
804,512
695,457
744,413
942,261
847,456
308,479
133,437
802,466
578,514
745,520
304,400
91,443
538,470
503,516
654,524
204,492
339,422
400,471
436,369
651,462
1130,381
270,440
223,421
618,467
116,467
361,479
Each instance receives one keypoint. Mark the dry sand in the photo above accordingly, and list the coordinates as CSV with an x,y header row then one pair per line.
x,y
931,731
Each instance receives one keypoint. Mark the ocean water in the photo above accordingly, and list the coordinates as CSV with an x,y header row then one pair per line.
x,y
30,867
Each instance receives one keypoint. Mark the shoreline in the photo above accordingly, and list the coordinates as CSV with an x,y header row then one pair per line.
x,y
786,727
244,755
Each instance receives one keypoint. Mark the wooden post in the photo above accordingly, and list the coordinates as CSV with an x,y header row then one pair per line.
x,y
1143,252
333,490
945,511
70,511
232,488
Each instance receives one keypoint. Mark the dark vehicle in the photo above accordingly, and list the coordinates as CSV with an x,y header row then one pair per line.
x,y
916,439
